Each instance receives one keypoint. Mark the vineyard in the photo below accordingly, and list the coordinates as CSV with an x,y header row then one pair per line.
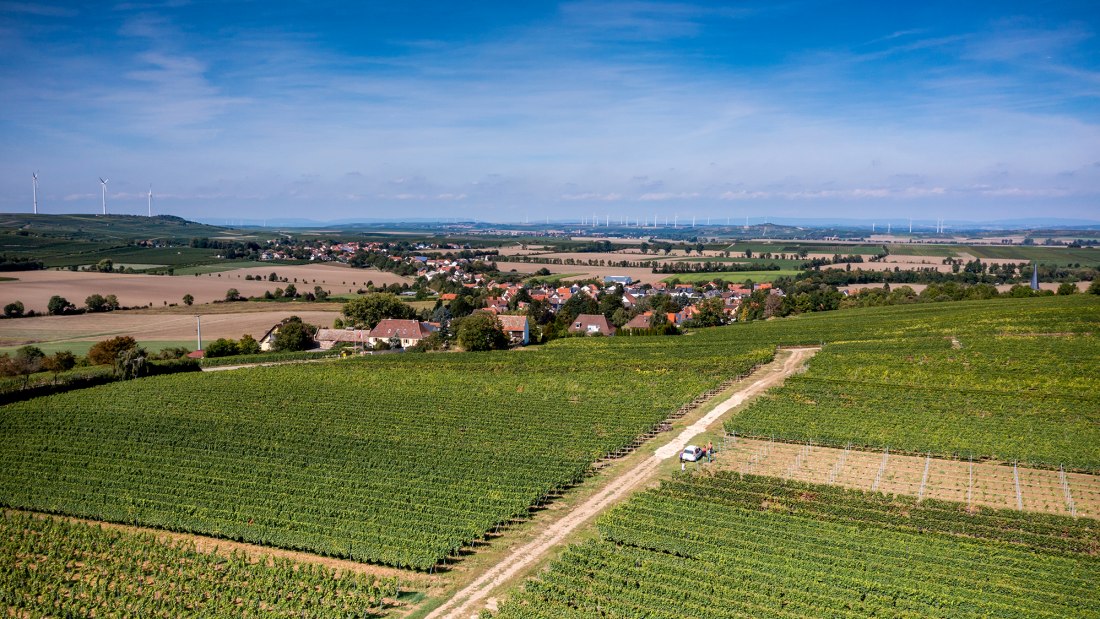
x,y
976,385
733,546
398,460
50,567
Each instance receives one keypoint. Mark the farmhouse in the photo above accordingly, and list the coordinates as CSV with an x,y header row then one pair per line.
x,y
328,338
516,328
409,332
591,324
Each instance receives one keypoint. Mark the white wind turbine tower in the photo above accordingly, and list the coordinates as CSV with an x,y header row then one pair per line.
x,y
103,182
150,195
34,181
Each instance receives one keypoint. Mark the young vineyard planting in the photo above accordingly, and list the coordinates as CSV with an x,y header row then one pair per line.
x,y
53,568
732,546
399,460
982,386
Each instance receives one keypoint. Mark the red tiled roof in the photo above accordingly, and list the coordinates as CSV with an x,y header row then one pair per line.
x,y
404,329
582,323
342,335
512,323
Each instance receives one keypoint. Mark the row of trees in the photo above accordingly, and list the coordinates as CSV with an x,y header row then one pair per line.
x,y
60,306
123,353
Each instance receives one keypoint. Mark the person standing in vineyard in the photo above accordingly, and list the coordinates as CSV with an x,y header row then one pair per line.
x,y
710,451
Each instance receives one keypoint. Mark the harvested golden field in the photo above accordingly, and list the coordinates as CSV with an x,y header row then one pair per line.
x,y
34,288
336,278
152,326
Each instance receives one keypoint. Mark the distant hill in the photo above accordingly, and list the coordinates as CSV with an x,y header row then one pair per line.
x,y
109,228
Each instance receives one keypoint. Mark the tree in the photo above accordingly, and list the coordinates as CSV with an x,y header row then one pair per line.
x,y
1094,287
461,306
293,335
27,361
30,355
221,347
59,305
110,302
320,293
188,299
131,363
107,351
14,309
481,331
368,310
711,313
95,303
232,295
291,291
1067,288
61,361
248,345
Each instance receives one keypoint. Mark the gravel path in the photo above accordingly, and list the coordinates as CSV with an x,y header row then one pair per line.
x,y
472,598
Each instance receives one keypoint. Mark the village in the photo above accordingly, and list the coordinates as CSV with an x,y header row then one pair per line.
x,y
526,314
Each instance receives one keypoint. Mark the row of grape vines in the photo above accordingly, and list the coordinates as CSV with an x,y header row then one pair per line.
x,y
705,546
401,460
54,568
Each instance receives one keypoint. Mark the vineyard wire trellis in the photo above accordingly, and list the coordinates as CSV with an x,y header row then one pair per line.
x,y
881,469
970,484
839,466
1065,489
1016,480
924,478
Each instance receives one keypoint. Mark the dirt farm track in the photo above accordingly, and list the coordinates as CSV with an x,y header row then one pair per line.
x,y
34,288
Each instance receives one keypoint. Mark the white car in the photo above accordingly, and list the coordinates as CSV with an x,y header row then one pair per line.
x,y
691,453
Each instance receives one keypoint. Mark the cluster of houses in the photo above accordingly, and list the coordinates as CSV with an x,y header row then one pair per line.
x,y
408,333
340,252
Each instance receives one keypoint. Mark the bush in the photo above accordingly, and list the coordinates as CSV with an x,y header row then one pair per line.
x,y
14,309
59,305
221,347
107,351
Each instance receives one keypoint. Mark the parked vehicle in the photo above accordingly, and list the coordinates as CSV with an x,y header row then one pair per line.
x,y
691,453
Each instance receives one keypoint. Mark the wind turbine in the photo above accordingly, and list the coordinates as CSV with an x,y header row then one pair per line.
x,y
150,199
34,180
103,182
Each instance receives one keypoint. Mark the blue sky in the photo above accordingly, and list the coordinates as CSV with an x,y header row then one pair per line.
x,y
509,110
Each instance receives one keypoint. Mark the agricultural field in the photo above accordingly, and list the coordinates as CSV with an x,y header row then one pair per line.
x,y
1012,395
75,332
34,288
399,460
336,278
51,567
730,276
580,271
1045,255
733,546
